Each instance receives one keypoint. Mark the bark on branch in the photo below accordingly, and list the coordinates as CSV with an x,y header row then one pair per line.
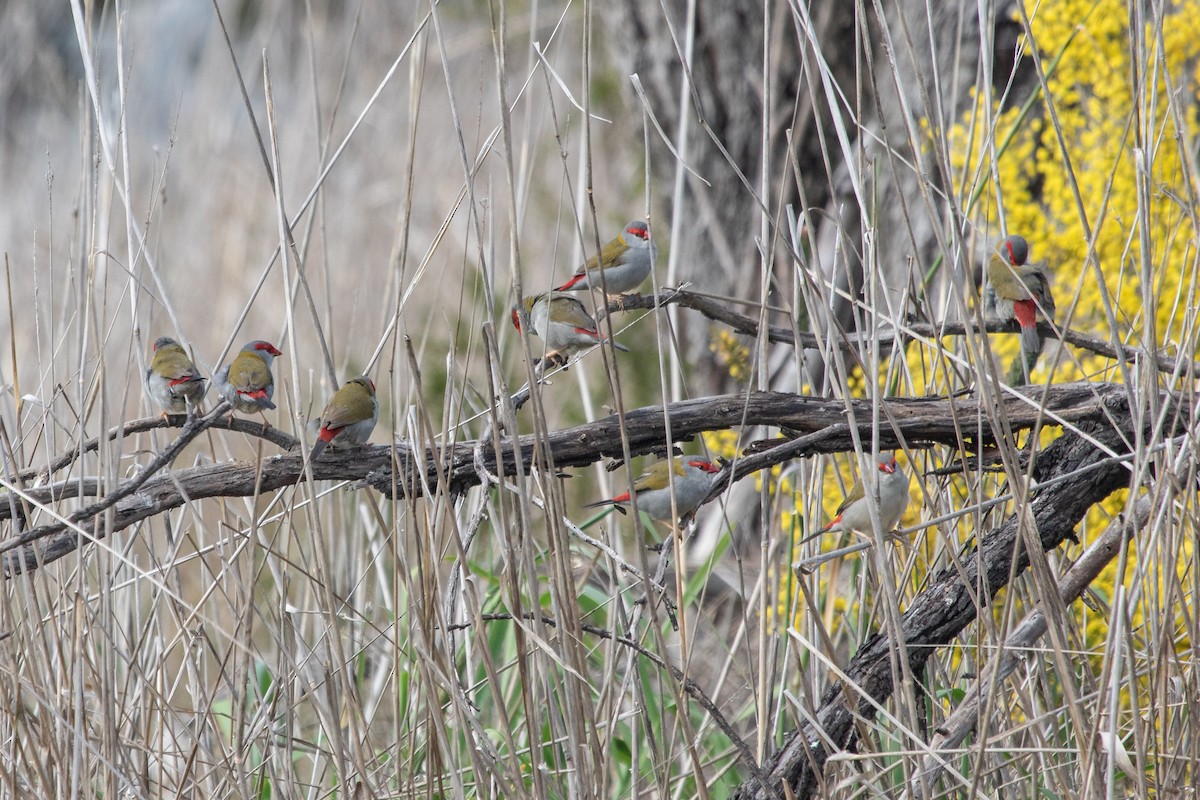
x,y
820,426
1073,474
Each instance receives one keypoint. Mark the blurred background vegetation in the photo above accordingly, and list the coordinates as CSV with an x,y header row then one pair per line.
x,y
847,165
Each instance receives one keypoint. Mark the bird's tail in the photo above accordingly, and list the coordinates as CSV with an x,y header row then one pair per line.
x,y
1031,344
262,398
1031,341
570,286
614,502
620,347
324,437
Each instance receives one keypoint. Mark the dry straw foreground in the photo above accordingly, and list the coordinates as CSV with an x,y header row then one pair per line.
x,y
193,608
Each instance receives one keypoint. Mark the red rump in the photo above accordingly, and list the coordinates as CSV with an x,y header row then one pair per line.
x,y
178,381
572,282
326,435
621,498
1025,312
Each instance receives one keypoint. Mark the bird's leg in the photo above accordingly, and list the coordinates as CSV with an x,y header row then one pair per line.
x,y
266,425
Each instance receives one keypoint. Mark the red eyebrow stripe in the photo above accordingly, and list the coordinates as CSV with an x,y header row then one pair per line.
x,y
1012,257
1026,312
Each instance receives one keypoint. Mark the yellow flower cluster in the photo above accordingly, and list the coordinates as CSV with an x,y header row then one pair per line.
x,y
1095,164
720,444
1070,164
1101,161
732,354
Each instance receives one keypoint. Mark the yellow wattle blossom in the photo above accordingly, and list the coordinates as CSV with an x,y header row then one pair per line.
x,y
720,444
1111,133
1109,169
1100,189
732,353
1096,175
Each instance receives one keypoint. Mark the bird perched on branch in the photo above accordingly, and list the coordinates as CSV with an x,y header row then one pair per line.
x,y
625,262
1018,290
692,482
349,416
172,380
854,514
247,382
562,322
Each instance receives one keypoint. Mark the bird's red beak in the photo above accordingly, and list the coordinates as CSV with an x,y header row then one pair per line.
x,y
888,466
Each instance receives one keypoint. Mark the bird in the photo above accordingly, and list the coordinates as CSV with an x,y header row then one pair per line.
x,y
562,322
854,514
247,382
625,262
692,483
172,380
349,416
1017,289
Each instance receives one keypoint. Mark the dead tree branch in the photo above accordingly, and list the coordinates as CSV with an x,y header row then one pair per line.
x,y
250,427
1073,475
821,426
1117,537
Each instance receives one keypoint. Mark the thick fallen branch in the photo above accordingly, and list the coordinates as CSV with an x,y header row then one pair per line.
x,y
822,424
952,601
955,729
